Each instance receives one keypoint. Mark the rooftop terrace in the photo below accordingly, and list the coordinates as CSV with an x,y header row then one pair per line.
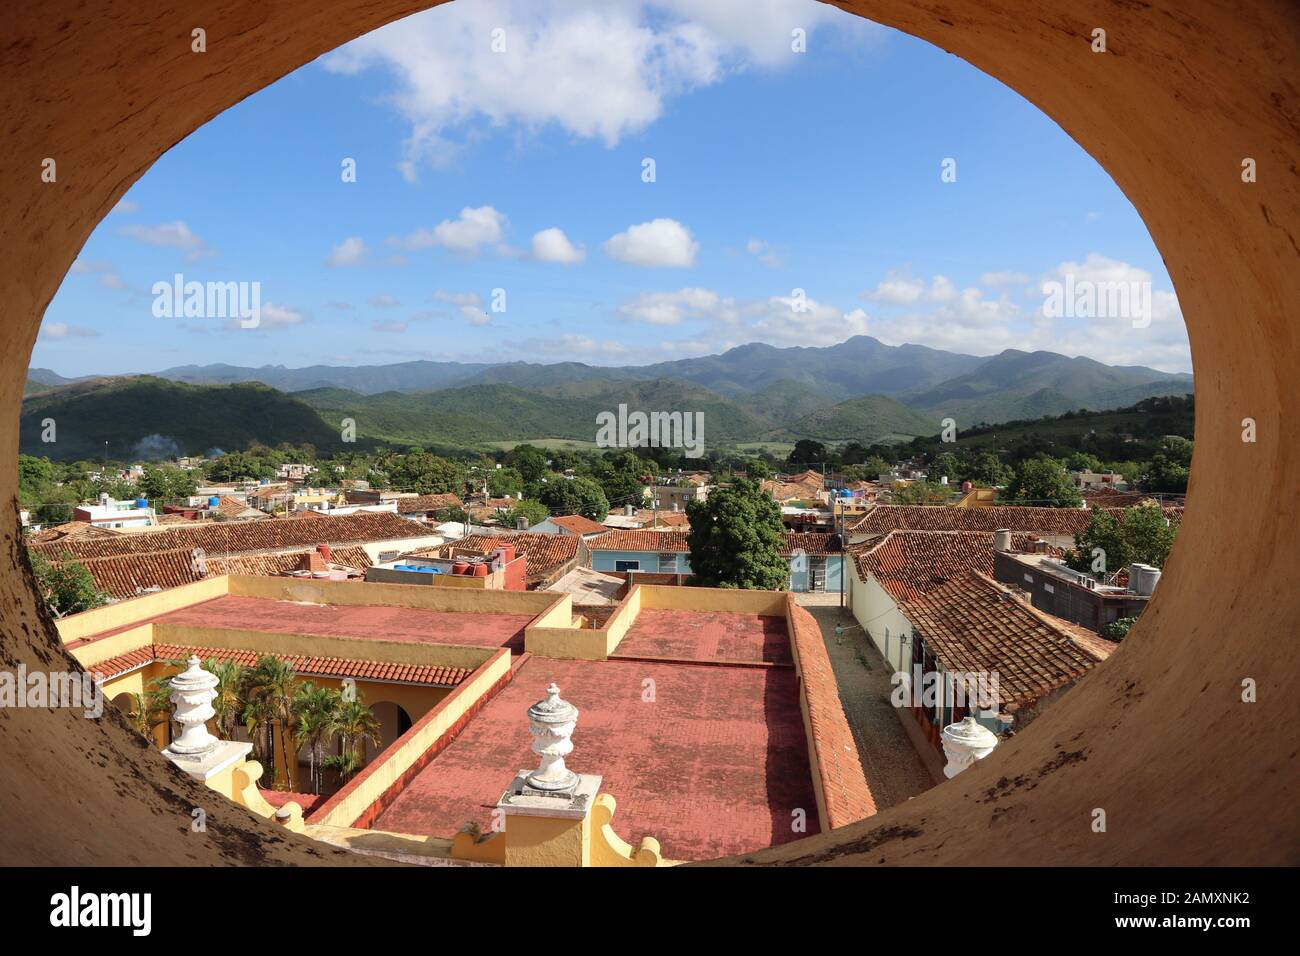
x,y
716,764
712,636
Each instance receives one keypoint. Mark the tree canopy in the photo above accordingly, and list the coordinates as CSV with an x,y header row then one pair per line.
x,y
736,539
1043,481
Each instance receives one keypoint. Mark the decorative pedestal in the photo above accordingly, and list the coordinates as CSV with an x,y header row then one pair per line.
x,y
551,722
547,811
964,743
196,751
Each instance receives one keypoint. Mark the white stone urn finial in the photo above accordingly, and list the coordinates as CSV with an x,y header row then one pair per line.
x,y
964,743
551,722
193,691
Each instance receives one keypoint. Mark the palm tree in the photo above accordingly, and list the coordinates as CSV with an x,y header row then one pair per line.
x,y
354,722
272,686
317,711
229,701
150,709
258,720
346,763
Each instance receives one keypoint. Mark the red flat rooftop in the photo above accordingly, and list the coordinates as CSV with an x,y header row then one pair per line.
x,y
715,765
712,636
365,622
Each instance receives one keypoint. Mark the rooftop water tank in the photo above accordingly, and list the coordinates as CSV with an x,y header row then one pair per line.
x,y
142,502
213,501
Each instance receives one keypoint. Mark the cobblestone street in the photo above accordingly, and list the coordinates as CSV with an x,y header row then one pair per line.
x,y
894,769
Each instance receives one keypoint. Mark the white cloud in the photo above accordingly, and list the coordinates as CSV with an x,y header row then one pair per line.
x,y
786,320
673,308
896,289
388,327
384,301
552,245
468,304
171,235
974,321
467,233
279,316
778,320
124,205
1003,278
942,289
658,243
572,344
350,252
762,250
107,272
62,330
598,70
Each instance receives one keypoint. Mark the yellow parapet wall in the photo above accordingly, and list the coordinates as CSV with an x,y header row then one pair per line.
x,y
596,644
120,642
727,600
608,849
555,636
320,591
77,627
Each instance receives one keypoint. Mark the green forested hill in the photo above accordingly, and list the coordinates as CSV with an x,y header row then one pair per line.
x,y
145,417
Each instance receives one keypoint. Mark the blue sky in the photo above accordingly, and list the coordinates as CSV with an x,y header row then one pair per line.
x,y
522,170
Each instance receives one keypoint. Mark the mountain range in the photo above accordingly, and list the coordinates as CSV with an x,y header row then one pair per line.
x,y
859,389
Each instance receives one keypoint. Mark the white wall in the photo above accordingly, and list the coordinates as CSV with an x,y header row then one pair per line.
x,y
884,623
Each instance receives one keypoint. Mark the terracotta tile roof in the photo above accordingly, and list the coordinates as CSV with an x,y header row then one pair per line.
x,y
1058,521
234,508
421,504
547,553
122,663
843,784
72,529
792,491
124,576
232,537
811,542
306,665
972,625
909,563
483,511
666,519
1109,498
648,519
171,519
642,540
577,524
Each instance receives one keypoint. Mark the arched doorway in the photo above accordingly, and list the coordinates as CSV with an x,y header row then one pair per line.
x,y
1161,735
393,722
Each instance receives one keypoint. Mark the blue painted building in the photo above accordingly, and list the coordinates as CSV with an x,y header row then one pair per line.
x,y
815,561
